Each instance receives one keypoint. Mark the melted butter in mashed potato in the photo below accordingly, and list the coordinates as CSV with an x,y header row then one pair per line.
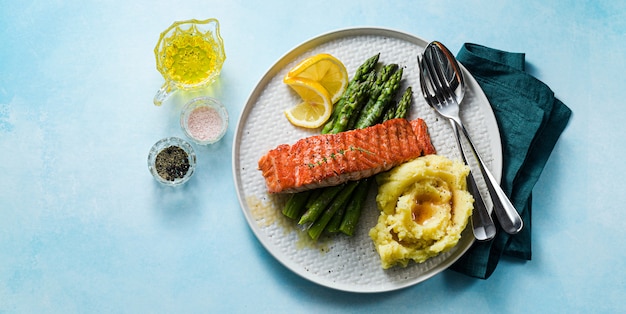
x,y
424,207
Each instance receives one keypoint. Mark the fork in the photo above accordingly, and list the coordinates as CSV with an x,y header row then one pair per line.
x,y
442,95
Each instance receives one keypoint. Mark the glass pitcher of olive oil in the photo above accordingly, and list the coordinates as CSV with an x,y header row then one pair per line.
x,y
189,54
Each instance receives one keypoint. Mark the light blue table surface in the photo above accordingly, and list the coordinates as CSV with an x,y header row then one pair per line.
x,y
85,228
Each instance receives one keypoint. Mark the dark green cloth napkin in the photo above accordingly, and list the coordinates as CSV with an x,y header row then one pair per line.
x,y
531,120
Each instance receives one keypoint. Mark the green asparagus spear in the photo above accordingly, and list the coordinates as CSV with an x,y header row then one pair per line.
x,y
295,204
314,195
364,69
399,109
335,222
383,76
353,103
318,226
359,76
390,112
404,103
389,90
312,213
353,210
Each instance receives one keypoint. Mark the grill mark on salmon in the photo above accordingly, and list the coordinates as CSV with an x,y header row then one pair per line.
x,y
331,159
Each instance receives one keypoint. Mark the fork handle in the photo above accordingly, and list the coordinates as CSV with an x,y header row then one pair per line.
x,y
482,224
508,217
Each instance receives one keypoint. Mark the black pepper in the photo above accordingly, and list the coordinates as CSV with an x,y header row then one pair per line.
x,y
172,163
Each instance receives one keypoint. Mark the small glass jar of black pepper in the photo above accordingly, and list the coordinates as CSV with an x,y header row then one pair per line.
x,y
172,161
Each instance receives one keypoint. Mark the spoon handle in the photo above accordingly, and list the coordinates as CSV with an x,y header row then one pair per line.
x,y
507,215
482,224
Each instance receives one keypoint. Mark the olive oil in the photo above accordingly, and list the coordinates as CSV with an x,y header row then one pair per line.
x,y
190,57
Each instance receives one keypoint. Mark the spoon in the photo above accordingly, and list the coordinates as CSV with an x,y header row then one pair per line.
x,y
447,87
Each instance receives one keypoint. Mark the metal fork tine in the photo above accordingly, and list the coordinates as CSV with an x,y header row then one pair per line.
x,y
425,90
434,78
447,85
442,81
428,90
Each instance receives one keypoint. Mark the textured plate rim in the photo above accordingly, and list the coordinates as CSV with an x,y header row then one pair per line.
x,y
495,145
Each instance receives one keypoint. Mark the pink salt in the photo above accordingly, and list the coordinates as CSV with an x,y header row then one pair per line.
x,y
204,123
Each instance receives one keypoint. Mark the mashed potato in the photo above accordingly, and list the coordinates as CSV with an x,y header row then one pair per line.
x,y
424,207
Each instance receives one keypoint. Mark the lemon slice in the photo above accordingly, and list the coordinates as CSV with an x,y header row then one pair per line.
x,y
315,107
324,69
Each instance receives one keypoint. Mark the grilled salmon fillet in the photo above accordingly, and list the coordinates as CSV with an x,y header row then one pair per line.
x,y
331,159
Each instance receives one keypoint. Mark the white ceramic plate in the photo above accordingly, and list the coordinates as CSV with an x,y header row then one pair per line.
x,y
340,262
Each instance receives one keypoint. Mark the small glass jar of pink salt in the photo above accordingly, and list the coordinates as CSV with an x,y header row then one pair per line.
x,y
204,120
